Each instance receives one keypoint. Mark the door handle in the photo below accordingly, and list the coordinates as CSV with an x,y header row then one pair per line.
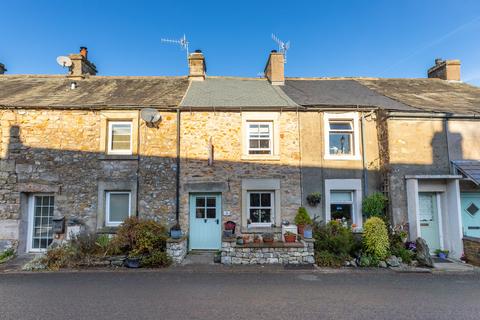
x,y
217,221
205,220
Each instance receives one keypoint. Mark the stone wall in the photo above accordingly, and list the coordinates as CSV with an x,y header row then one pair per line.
x,y
177,249
230,167
58,151
471,248
301,252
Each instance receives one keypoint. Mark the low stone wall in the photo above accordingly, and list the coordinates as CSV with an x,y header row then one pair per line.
x,y
300,252
471,249
177,249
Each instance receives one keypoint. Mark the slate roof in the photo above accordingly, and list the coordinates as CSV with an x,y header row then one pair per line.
x,y
431,95
54,91
469,168
235,93
332,92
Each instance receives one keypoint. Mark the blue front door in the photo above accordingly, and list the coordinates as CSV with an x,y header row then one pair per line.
x,y
471,214
205,227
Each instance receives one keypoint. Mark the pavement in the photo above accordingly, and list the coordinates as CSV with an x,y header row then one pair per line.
x,y
178,293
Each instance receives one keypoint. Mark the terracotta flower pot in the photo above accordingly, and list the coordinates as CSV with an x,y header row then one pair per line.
x,y
290,237
300,228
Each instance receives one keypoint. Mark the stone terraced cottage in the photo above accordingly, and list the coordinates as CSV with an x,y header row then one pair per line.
x,y
247,150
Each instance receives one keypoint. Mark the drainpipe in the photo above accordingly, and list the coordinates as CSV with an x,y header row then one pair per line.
x,y
364,158
177,205
139,141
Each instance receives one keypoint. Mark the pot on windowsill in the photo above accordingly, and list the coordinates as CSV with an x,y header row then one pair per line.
x,y
301,229
268,237
239,241
290,237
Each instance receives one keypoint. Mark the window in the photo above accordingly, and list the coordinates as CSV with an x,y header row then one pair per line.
x,y
118,207
41,215
341,206
260,138
120,137
205,207
341,136
261,208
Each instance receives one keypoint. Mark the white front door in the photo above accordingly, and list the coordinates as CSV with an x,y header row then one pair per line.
x,y
40,217
429,219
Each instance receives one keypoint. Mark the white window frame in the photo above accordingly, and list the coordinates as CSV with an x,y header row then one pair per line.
x,y
351,117
109,223
272,207
261,117
109,142
270,138
31,216
353,185
350,202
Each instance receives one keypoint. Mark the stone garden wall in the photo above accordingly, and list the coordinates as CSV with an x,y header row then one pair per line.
x,y
301,252
177,249
471,249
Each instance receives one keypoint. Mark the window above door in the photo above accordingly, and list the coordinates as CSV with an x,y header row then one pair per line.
x,y
260,136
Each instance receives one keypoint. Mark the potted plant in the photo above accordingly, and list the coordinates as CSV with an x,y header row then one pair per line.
x,y
290,236
132,261
176,231
302,219
257,239
314,199
217,258
246,238
239,240
267,237
442,254
308,232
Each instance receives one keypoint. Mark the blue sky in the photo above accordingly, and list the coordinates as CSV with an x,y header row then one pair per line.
x,y
329,38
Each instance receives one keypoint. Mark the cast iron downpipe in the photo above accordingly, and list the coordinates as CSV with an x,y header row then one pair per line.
x,y
177,205
364,158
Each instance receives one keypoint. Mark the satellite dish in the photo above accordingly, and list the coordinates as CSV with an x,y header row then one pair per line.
x,y
64,61
150,115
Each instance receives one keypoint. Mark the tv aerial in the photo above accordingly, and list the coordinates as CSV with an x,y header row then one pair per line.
x,y
150,116
183,42
64,61
282,46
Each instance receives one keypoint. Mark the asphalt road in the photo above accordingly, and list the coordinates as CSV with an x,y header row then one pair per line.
x,y
200,295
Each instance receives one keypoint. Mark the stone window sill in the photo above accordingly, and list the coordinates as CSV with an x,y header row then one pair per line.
x,y
275,244
251,157
118,157
261,230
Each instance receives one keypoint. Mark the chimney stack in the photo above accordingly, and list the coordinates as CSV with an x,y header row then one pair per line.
x,y
275,69
197,66
2,68
81,66
445,70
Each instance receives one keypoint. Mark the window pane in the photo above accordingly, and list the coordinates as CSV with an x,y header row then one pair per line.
x,y
340,196
264,144
340,126
211,202
266,200
340,143
265,215
119,206
339,211
200,213
254,143
211,213
255,215
254,199
200,202
121,136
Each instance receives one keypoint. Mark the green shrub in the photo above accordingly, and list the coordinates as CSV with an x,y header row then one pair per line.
x,y
6,255
60,257
401,252
374,205
103,244
302,217
368,261
335,240
325,258
156,258
137,237
375,238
